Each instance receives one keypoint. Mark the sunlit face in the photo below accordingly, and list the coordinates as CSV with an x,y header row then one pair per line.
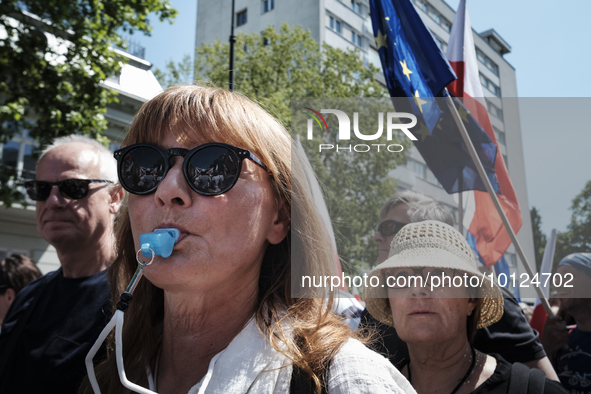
x,y
69,223
423,315
223,238
400,214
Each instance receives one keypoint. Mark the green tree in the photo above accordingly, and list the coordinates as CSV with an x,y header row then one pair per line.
x,y
176,73
578,236
564,247
278,66
54,55
274,66
539,237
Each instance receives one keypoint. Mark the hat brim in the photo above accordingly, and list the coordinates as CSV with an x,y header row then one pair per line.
x,y
376,296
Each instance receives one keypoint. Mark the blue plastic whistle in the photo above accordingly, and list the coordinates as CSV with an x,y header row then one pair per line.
x,y
160,241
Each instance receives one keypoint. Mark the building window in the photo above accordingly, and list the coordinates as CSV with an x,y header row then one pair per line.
x,y
490,85
355,6
268,5
419,169
356,38
241,18
433,14
335,25
440,43
506,161
17,155
500,135
421,5
494,110
492,66
432,179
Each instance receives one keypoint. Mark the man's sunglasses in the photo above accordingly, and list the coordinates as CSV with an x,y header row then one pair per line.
x,y
210,169
71,188
390,227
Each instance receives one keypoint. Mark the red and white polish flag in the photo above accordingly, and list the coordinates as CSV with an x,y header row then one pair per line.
x,y
480,215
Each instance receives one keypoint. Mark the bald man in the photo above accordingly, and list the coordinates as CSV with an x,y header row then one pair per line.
x,y
54,321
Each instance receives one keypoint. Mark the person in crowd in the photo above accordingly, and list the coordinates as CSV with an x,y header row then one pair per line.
x,y
511,336
54,321
569,347
431,290
16,271
220,314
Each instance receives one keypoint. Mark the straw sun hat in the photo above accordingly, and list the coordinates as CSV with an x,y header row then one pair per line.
x,y
431,244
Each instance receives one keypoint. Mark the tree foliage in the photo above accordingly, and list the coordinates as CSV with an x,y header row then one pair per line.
x,y
578,236
54,56
278,66
274,66
176,73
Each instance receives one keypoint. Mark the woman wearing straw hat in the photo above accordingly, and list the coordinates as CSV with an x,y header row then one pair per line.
x,y
430,289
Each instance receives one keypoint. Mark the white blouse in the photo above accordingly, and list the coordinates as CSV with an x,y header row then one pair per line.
x,y
251,365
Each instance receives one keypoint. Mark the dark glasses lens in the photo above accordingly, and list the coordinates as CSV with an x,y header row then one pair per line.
x,y
141,169
214,170
75,189
38,190
209,169
390,227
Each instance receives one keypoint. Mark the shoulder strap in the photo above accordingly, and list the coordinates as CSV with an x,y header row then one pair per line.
x,y
524,380
537,381
22,321
302,383
519,380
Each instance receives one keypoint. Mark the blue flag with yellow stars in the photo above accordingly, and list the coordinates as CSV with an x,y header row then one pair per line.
x,y
415,67
412,62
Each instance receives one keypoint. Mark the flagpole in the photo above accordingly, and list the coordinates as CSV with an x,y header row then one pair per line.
x,y
232,42
461,202
493,195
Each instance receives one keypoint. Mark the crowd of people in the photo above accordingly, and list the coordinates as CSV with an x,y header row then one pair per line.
x,y
222,313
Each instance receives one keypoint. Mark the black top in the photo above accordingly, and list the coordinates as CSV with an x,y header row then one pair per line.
x,y
573,365
511,337
498,383
49,357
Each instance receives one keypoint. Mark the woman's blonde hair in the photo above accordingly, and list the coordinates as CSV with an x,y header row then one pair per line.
x,y
206,114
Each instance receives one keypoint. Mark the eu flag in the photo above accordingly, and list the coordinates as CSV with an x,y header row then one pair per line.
x,y
415,67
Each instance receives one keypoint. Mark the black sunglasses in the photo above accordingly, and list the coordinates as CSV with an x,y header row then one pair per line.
x,y
71,188
390,227
210,169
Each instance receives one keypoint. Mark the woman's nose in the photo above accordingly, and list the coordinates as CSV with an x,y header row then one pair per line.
x,y
174,189
378,237
418,288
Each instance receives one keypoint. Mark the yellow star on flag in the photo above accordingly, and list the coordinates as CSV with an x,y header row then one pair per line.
x,y
405,70
419,101
422,132
381,40
464,114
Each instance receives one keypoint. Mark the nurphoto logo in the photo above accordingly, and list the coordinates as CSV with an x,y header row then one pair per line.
x,y
393,123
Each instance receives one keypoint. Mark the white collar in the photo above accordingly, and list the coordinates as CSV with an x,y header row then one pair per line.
x,y
248,364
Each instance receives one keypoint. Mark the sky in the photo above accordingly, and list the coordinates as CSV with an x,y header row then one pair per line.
x,y
551,53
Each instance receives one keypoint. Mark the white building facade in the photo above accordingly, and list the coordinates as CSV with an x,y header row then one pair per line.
x,y
346,24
